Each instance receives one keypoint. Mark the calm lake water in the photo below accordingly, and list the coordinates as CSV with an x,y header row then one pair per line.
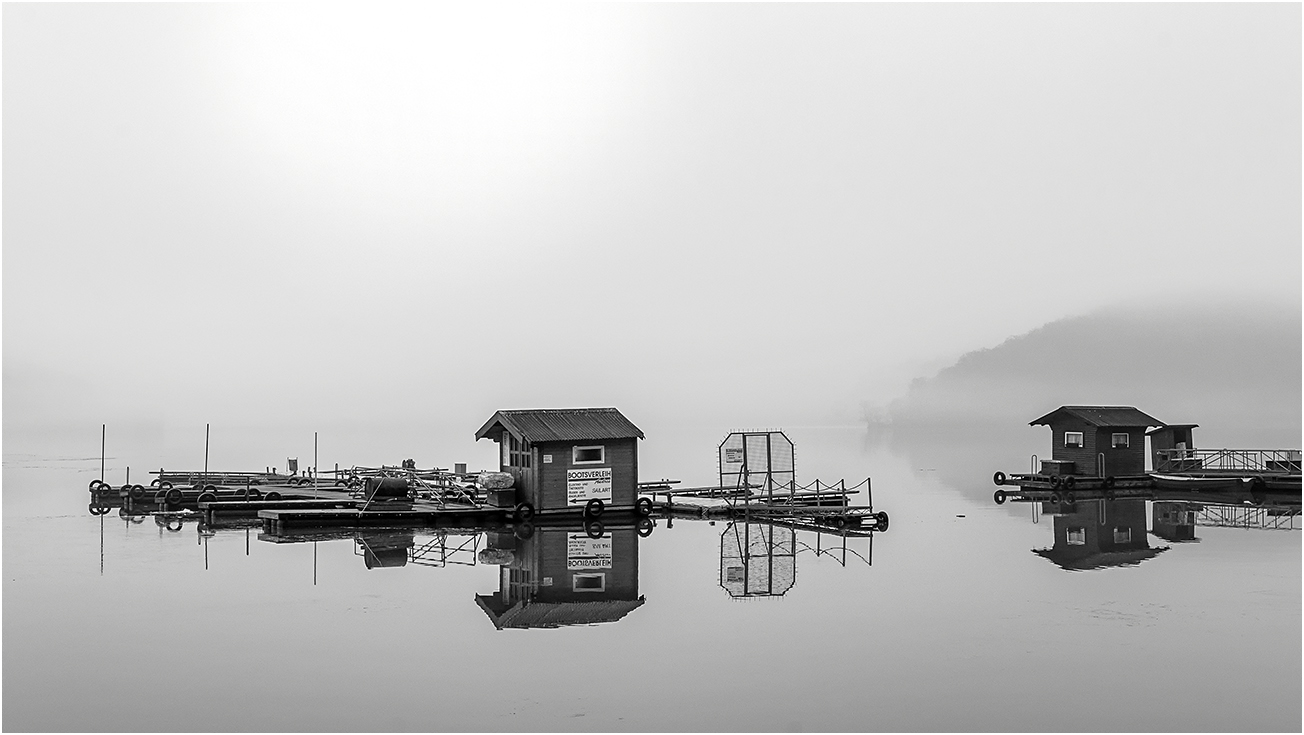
x,y
949,620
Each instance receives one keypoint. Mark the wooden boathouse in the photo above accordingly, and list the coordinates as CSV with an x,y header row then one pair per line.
x,y
573,459
1097,441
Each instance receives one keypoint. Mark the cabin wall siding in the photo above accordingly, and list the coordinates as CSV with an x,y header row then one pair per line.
x,y
621,578
1099,440
621,456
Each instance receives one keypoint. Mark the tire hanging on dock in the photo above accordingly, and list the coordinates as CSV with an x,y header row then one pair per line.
x,y
643,506
999,478
593,508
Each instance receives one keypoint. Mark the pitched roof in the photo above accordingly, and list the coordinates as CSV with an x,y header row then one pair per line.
x,y
560,424
1158,429
1100,416
554,614
1100,559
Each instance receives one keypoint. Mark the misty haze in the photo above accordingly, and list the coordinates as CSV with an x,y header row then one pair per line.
x,y
652,367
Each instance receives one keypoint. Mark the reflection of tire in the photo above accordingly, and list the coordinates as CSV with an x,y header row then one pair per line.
x,y
1258,490
643,506
155,482
524,512
168,524
165,485
1055,498
880,518
999,497
98,510
95,485
524,530
594,529
273,495
594,508
645,526
1068,497
206,497
174,496
1110,494
999,478
839,522
1109,481
255,493
210,488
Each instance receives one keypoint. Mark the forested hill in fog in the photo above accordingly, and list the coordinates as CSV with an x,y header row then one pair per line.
x,y
1235,371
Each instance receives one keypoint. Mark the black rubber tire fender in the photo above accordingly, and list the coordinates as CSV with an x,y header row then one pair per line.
x,y
999,478
880,519
206,497
174,496
594,508
999,497
524,530
643,506
1070,481
273,495
523,512
98,510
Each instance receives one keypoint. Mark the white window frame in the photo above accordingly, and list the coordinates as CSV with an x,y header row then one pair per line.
x,y
1113,441
600,576
602,454
1081,439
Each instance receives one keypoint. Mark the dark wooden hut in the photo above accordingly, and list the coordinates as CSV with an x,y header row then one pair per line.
x,y
562,459
1097,441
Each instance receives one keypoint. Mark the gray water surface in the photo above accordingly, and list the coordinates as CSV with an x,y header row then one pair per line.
x,y
949,620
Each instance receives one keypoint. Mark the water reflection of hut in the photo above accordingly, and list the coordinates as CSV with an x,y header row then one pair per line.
x,y
1101,533
561,576
562,458
757,559
1097,440
1174,520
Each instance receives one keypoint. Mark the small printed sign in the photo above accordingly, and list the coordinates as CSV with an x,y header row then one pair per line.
x,y
583,552
586,484
733,455
547,459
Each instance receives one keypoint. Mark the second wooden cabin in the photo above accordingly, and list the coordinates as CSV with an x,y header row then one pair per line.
x,y
564,459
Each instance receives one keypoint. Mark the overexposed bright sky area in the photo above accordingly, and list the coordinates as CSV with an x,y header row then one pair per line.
x,y
749,214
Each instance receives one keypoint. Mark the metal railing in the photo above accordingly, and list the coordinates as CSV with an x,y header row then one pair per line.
x,y
1279,461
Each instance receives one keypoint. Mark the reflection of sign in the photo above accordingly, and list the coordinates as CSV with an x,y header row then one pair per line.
x,y
733,455
585,485
583,552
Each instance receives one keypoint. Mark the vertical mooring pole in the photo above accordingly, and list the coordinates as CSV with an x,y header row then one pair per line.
x,y
205,453
314,465
102,429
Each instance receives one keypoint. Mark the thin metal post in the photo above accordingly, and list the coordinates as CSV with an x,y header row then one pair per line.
x,y
102,430
314,464
205,453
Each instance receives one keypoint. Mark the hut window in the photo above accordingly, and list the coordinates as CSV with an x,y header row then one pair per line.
x,y
517,452
1119,441
1077,537
1122,535
1073,439
588,455
590,582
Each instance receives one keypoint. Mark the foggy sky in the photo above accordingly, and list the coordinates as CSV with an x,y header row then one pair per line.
x,y
733,214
